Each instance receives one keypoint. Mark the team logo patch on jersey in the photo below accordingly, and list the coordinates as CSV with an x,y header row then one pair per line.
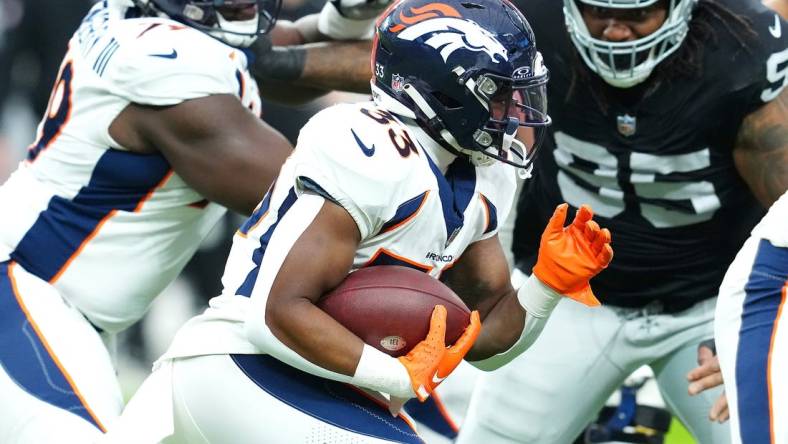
x,y
627,125
444,29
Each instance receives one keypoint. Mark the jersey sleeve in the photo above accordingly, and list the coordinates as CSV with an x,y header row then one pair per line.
x,y
342,155
762,67
168,64
773,36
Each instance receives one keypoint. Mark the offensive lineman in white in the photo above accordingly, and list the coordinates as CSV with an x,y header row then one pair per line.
x,y
751,334
152,129
419,178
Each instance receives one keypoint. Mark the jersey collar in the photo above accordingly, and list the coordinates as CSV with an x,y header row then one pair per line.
x,y
439,155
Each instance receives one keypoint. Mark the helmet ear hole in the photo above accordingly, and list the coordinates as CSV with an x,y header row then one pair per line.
x,y
446,101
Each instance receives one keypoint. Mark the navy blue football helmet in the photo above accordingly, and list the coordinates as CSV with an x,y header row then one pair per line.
x,y
236,22
468,72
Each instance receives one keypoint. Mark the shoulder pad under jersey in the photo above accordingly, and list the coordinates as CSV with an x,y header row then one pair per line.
x,y
161,62
761,67
362,158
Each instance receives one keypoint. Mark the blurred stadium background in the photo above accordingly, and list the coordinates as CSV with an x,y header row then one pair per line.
x,y
33,38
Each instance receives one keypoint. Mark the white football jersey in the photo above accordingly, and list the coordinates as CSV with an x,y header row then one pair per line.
x,y
414,203
774,226
107,227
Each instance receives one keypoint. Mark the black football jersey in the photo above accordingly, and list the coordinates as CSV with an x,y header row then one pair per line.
x,y
655,161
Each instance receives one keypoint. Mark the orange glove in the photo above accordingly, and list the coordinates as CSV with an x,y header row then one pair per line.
x,y
430,361
570,256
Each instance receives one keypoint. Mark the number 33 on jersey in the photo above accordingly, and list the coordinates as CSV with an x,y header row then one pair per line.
x,y
374,167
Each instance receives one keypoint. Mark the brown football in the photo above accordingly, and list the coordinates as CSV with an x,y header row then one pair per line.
x,y
389,307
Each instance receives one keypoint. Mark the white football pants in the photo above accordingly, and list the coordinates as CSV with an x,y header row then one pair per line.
x,y
57,381
246,399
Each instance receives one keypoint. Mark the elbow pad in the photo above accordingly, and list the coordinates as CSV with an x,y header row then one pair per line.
x,y
538,300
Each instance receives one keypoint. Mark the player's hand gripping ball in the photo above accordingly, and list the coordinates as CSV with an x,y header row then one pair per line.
x,y
390,307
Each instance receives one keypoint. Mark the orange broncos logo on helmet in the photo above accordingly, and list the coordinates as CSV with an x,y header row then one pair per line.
x,y
428,11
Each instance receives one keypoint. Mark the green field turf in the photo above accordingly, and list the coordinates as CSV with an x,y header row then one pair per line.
x,y
678,434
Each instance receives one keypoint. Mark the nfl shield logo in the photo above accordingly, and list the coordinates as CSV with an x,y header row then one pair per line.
x,y
397,82
627,125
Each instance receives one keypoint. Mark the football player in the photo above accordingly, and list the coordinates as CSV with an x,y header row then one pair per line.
x,y
420,178
671,119
750,332
152,130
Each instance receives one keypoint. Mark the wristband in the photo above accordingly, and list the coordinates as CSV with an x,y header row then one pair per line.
x,y
379,371
538,300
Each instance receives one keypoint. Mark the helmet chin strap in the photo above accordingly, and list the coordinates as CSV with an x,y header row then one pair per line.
x,y
477,158
511,145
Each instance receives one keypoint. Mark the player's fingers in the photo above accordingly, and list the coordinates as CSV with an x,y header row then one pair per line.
x,y
605,256
706,368
468,338
583,215
558,218
437,331
591,231
698,373
724,415
601,239
455,354
704,354
719,411
705,383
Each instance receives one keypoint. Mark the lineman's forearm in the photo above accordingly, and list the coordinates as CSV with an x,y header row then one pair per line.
x,y
327,66
342,66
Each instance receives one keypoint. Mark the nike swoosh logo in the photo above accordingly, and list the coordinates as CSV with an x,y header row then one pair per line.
x,y
172,55
777,30
364,149
437,379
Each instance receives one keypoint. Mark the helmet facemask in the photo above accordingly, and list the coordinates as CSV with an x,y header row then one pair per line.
x,y
479,92
627,63
517,118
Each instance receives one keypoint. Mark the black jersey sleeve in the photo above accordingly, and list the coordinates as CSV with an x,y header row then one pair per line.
x,y
761,67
